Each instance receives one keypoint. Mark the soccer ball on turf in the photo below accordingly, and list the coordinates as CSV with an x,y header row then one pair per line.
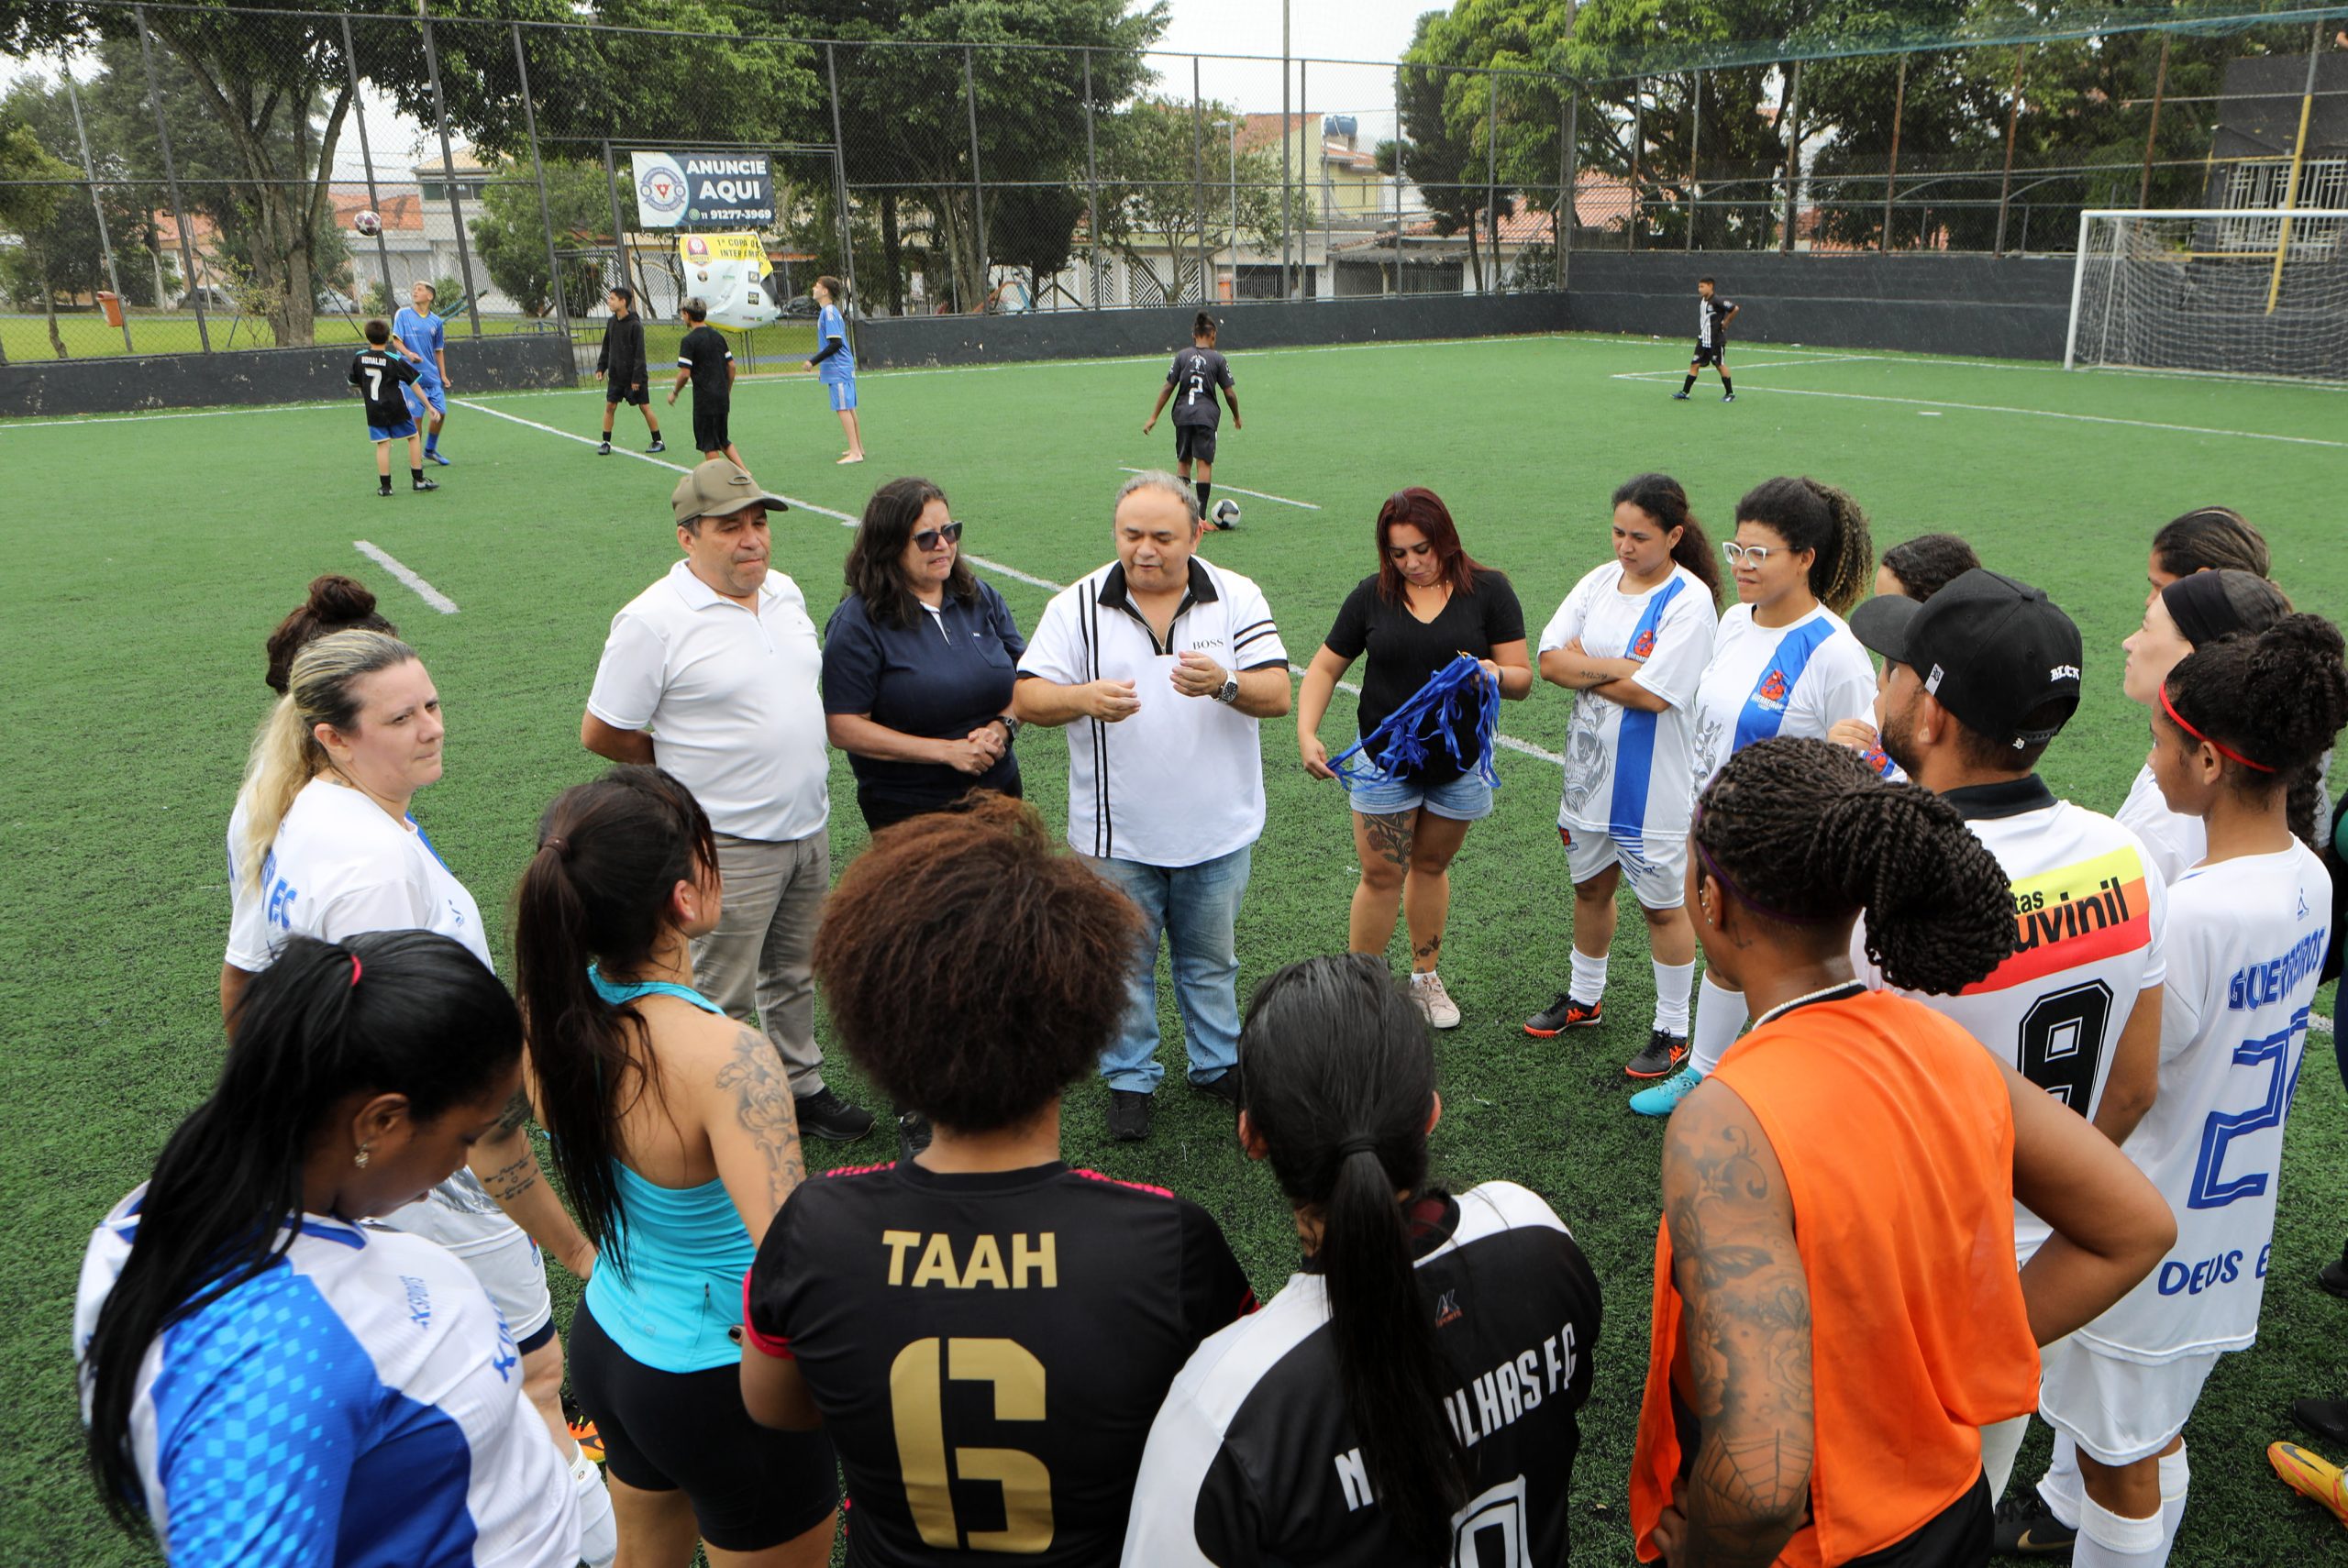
x,y
1226,513
368,224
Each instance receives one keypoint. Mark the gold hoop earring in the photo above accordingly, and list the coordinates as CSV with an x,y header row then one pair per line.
x,y
359,1159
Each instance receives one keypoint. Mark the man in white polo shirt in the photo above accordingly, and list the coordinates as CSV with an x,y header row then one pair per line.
x,y
711,672
1160,665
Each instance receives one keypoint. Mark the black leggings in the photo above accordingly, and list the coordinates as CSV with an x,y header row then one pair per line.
x,y
752,1489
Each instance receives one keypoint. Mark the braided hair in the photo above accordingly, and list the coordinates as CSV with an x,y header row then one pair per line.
x,y
2279,698
1820,518
2211,539
1804,832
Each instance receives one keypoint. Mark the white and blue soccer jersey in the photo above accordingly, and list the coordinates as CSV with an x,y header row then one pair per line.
x,y
841,366
357,1402
1799,680
2245,944
424,334
1626,770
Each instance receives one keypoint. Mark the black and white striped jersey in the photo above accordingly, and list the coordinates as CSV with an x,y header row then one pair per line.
x,y
1254,1458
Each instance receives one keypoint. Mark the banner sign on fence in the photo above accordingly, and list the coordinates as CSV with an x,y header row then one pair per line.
x,y
675,190
728,272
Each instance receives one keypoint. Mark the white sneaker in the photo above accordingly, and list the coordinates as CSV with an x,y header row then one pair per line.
x,y
1426,990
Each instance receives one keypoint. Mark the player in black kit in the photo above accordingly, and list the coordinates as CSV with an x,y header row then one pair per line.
x,y
379,374
1713,316
1197,373
985,1333
1411,1395
704,359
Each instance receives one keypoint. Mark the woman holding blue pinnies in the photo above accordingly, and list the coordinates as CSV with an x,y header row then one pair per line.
x,y
835,363
1783,663
673,1130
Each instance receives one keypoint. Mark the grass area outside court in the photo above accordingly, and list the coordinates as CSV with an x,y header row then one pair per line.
x,y
134,685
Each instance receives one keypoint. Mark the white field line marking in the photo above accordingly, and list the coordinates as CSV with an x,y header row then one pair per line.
x,y
1739,369
423,591
1046,584
1260,495
2050,413
189,413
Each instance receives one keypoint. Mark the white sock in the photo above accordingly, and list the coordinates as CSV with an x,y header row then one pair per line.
x,y
599,1531
1672,984
2113,1540
2061,1491
2000,1441
1589,978
2175,1477
1720,1018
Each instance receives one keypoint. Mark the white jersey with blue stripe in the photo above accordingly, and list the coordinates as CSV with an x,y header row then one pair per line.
x,y
357,1402
1626,770
1798,680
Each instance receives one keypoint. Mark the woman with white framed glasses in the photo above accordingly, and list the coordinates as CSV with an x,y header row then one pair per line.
x,y
919,661
1783,663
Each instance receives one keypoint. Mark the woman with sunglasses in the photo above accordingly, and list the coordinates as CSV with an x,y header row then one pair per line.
x,y
1783,663
918,663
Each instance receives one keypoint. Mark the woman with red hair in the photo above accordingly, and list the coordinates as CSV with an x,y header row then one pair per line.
x,y
1429,603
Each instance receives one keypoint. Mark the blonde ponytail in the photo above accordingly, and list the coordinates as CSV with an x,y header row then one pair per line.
x,y
322,687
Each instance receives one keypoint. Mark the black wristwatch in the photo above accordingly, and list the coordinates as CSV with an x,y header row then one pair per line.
x,y
1009,726
1229,693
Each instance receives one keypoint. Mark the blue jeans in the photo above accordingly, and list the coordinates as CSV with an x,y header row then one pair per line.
x,y
1197,909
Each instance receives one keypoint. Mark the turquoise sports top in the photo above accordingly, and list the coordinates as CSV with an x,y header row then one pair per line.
x,y
675,1303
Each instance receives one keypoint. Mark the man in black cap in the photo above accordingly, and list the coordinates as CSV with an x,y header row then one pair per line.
x,y
1978,680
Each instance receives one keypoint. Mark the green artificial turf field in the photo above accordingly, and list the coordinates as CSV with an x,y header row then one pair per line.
x,y
131,627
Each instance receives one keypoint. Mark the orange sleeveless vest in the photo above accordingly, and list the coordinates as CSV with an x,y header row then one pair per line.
x,y
1897,1138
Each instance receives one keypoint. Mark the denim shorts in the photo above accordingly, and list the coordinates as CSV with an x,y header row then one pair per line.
x,y
1465,799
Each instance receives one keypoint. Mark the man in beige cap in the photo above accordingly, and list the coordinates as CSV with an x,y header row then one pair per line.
x,y
712,673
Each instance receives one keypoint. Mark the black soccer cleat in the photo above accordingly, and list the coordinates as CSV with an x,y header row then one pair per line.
x,y
1662,1055
1728,397
424,484
2026,1528
603,449
1680,397
384,490
1563,1013
658,445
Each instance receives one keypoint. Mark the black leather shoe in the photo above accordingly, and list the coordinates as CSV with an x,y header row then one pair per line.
x,y
1128,1115
2327,1419
827,1116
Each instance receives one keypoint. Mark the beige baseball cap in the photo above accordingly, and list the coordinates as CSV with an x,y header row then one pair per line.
x,y
718,487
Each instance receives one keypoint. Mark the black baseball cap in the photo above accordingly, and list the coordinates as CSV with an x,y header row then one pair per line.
x,y
1992,650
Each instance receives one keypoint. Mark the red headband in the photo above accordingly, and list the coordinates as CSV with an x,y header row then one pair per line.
x,y
354,968
2221,747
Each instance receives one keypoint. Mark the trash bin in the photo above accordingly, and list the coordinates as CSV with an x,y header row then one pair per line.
x,y
111,306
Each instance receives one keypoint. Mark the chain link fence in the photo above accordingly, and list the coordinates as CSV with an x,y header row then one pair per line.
x,y
177,178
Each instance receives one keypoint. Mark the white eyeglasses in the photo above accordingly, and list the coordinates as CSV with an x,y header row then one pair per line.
x,y
1741,555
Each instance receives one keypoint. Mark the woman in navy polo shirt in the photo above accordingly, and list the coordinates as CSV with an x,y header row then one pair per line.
x,y
918,663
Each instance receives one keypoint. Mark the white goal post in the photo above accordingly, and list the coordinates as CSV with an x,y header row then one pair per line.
x,y
2212,291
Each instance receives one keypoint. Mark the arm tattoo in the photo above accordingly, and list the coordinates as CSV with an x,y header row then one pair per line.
x,y
515,1178
517,1113
1389,837
763,1105
1748,1332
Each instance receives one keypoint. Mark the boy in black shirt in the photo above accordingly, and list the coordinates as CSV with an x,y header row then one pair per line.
x,y
621,364
1712,317
705,360
380,375
1196,374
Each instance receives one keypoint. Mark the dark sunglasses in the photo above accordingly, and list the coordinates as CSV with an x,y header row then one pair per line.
x,y
927,538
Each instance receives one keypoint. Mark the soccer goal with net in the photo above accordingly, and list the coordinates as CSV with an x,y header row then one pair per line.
x,y
2229,292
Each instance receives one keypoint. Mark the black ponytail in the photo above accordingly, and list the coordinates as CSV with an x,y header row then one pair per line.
x,y
1202,326
2280,699
1338,1078
1661,497
1818,517
404,1012
597,890
1806,833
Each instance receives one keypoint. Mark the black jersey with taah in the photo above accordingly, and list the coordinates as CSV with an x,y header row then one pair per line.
x,y
1255,1459
988,1350
379,374
704,352
1711,322
1195,375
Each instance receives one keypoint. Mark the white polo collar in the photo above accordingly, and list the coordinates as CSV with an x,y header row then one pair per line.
x,y
698,595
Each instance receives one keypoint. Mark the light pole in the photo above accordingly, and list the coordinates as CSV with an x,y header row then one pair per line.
x,y
1231,128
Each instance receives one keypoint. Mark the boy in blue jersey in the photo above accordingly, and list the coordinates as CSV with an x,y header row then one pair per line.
x,y
381,378
423,337
835,363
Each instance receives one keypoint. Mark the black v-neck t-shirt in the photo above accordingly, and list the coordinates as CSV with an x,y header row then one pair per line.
x,y
1404,653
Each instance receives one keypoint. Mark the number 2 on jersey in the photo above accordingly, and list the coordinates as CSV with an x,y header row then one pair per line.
x,y
917,1411
2210,1190
2062,1042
